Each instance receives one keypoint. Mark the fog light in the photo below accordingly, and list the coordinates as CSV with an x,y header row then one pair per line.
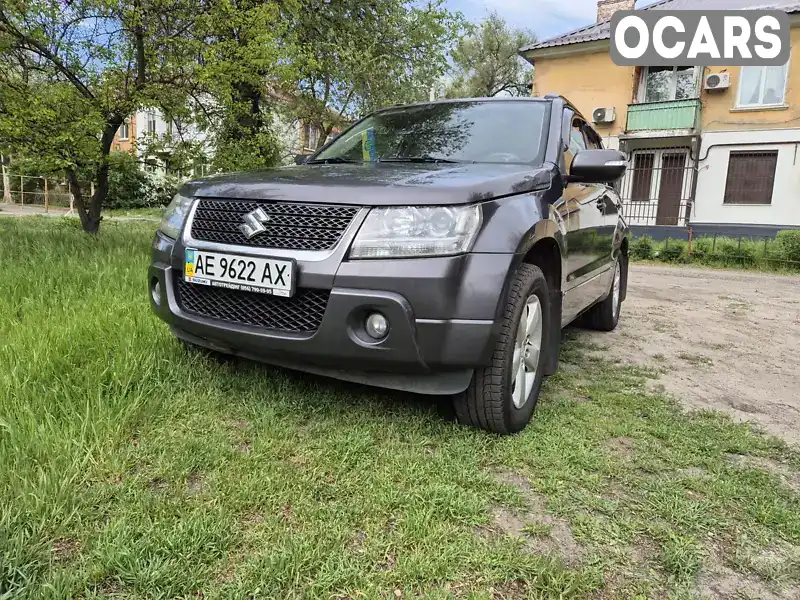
x,y
155,291
377,326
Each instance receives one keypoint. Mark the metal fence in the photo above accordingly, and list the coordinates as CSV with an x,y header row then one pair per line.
x,y
658,187
39,191
720,249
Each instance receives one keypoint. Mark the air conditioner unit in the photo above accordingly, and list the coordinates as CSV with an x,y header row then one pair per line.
x,y
718,81
604,115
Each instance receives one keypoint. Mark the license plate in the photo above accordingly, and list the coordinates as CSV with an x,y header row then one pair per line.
x,y
245,273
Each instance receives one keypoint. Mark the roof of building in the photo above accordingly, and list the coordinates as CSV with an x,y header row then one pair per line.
x,y
602,30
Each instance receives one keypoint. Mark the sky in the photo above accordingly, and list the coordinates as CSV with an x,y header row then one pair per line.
x,y
546,18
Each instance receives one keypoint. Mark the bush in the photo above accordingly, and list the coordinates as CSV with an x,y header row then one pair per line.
x,y
702,246
784,251
642,248
788,245
164,188
131,187
736,252
128,185
673,251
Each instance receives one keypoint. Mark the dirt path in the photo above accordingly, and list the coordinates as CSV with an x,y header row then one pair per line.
x,y
724,340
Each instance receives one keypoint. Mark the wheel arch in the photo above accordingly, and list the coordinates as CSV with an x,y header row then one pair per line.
x,y
543,247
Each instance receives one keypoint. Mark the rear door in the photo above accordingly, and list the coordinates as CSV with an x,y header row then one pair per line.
x,y
582,209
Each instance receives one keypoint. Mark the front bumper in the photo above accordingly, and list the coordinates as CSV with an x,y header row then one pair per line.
x,y
441,313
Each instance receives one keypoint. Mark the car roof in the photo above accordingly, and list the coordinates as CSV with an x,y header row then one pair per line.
x,y
466,100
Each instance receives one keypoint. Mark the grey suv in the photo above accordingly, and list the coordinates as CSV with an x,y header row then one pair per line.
x,y
437,248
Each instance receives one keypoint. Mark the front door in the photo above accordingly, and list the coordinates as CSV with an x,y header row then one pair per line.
x,y
673,167
582,209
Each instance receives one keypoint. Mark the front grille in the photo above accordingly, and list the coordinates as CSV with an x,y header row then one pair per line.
x,y
302,313
291,226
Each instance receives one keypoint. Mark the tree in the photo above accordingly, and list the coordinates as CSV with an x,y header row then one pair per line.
x,y
6,182
353,56
244,54
70,73
487,61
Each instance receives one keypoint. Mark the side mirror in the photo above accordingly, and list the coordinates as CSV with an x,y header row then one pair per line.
x,y
300,159
598,166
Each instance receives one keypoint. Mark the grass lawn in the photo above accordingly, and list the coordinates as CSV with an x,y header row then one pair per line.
x,y
130,469
137,213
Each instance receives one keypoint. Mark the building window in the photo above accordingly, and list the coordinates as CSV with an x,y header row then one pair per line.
x,y
762,86
124,129
751,177
151,123
310,136
642,176
660,84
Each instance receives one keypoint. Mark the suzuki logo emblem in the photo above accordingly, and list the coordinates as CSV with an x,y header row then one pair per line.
x,y
254,223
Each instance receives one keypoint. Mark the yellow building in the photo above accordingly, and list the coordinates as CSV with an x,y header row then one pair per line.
x,y
716,148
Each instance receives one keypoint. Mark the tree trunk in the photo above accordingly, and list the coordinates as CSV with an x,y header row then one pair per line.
x,y
77,194
90,216
6,182
250,118
323,133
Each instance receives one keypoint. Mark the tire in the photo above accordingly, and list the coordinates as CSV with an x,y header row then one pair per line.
x,y
489,402
604,316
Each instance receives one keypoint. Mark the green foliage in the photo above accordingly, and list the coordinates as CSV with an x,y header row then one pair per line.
x,y
737,252
245,56
789,245
247,150
487,61
48,127
351,57
70,73
724,251
673,251
131,187
703,246
127,183
642,248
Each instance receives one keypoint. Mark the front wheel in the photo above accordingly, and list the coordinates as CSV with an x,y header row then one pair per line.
x,y
501,397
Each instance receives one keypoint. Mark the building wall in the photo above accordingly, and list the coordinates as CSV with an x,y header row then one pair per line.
x,y
588,81
141,123
126,145
713,170
719,111
592,80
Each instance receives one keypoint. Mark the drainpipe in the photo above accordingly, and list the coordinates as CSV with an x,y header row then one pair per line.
x,y
690,204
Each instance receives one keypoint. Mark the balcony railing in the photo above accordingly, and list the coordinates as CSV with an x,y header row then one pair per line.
x,y
662,116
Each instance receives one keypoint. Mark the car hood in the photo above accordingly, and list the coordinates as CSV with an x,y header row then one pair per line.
x,y
376,184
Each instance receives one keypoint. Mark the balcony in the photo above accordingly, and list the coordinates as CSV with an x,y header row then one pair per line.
x,y
681,117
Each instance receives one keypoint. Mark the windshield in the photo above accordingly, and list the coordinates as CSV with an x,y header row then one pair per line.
x,y
475,132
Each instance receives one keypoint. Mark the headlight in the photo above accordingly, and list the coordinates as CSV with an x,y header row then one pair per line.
x,y
417,231
175,215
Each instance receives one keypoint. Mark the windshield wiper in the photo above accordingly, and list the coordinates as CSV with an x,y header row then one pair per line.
x,y
333,160
420,159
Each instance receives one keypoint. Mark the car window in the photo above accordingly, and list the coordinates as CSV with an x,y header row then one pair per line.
x,y
459,131
593,141
577,142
